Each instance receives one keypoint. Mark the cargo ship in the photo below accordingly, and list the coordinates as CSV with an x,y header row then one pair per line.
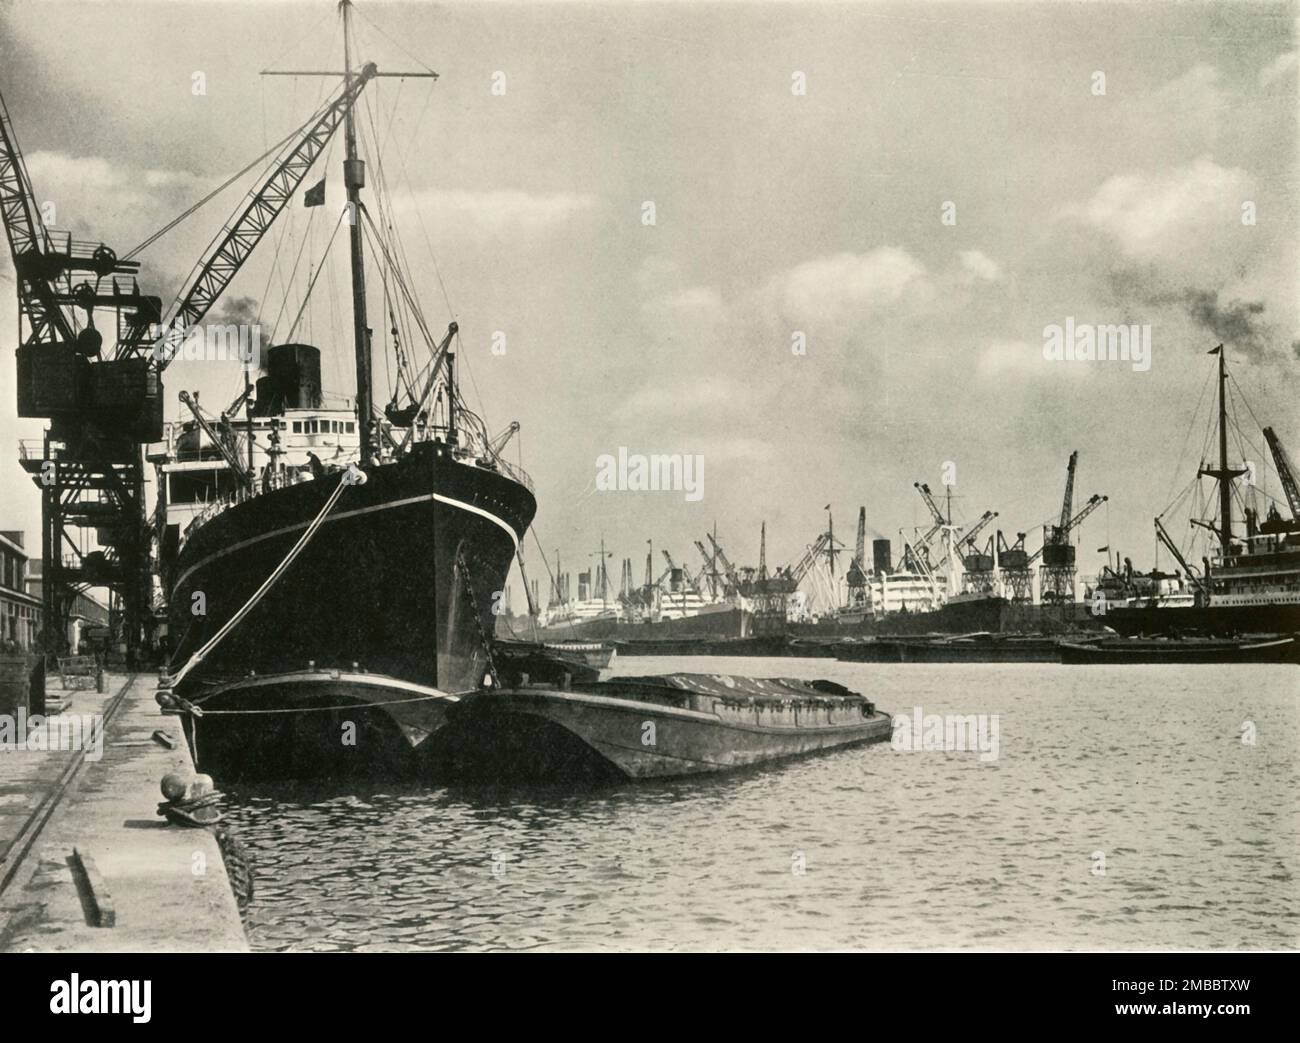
x,y
333,571
1250,582
673,607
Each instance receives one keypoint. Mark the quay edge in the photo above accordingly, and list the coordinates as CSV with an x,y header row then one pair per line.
x,y
168,885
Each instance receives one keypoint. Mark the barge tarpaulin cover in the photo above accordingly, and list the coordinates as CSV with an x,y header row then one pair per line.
x,y
731,686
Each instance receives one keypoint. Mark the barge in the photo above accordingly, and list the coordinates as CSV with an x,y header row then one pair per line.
x,y
971,648
651,727
1267,649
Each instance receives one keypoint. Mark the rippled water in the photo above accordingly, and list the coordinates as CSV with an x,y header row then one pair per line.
x,y
1200,833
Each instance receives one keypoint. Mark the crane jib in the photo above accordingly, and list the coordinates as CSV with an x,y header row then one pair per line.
x,y
232,248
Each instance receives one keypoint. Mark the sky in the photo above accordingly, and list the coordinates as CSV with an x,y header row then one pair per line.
x,y
914,191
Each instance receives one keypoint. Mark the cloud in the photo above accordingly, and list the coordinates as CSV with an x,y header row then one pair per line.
x,y
1281,69
1197,90
980,266
1006,357
1238,323
1165,215
98,187
848,285
501,210
1011,362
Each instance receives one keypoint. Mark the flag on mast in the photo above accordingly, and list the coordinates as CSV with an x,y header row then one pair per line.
x,y
315,196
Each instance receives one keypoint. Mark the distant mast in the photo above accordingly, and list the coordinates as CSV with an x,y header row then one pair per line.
x,y
354,178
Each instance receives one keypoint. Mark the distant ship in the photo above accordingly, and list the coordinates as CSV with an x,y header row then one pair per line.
x,y
674,606
1250,584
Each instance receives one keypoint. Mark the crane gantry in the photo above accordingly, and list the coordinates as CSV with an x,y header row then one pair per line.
x,y
103,407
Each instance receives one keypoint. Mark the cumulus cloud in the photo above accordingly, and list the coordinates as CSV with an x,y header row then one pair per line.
x,y
1280,70
1015,361
1197,89
848,285
83,188
980,266
1162,215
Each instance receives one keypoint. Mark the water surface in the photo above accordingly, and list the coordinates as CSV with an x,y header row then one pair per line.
x,y
1143,767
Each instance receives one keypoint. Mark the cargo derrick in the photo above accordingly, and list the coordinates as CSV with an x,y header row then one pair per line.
x,y
89,466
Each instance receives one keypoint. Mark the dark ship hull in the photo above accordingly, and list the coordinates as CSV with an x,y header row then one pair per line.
x,y
395,590
1195,650
1213,620
964,616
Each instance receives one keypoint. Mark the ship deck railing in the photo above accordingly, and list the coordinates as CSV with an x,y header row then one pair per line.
x,y
476,455
295,476
280,480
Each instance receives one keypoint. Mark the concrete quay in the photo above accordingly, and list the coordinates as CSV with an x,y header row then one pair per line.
x,y
86,863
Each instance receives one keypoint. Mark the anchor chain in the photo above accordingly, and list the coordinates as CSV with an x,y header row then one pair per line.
x,y
463,569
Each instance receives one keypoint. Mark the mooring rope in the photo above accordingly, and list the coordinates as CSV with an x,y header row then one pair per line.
x,y
352,476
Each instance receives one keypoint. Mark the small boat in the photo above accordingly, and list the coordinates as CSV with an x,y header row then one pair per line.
x,y
519,661
595,653
1273,649
652,727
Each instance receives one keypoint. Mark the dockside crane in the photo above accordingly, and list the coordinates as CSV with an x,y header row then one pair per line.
x,y
88,464
710,571
679,579
919,549
101,409
1058,570
728,570
856,580
1285,473
1013,567
979,576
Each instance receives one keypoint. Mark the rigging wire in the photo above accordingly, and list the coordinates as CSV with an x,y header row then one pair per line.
x,y
315,275
1182,453
392,41
284,300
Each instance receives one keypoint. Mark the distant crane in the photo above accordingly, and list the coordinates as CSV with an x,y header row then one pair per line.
x,y
978,568
728,570
1285,473
921,547
1058,570
1015,576
857,582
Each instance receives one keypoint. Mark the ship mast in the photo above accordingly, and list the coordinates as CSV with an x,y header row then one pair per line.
x,y
1225,482
1223,474
354,178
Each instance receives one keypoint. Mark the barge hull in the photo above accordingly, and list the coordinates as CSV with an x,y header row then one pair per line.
x,y
551,733
317,724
